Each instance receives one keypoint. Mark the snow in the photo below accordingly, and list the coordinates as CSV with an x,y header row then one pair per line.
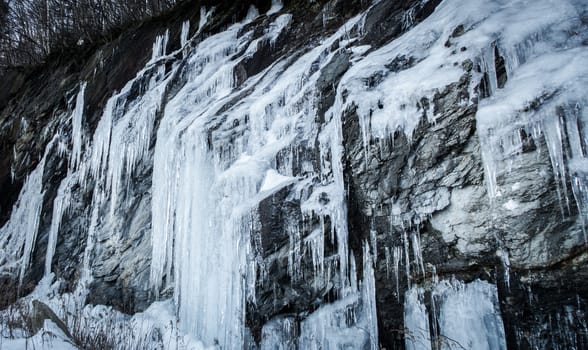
x,y
48,338
274,181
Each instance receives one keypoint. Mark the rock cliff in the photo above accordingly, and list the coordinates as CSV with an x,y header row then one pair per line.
x,y
322,174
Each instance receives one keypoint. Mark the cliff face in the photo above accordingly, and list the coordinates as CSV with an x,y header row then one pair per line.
x,y
310,175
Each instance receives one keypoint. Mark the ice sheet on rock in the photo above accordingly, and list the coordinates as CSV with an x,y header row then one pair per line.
x,y
466,316
469,315
348,323
190,105
204,17
389,100
279,334
278,26
123,135
416,320
544,63
252,13
120,142
552,83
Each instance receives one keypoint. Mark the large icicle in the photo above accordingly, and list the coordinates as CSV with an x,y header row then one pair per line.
x,y
196,170
77,135
202,221
18,236
60,205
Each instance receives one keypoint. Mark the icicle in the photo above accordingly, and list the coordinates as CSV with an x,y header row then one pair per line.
x,y
185,32
503,254
26,216
295,252
369,317
160,46
60,205
416,251
374,243
77,129
352,272
101,140
406,257
397,256
553,138
388,257
489,67
316,243
18,236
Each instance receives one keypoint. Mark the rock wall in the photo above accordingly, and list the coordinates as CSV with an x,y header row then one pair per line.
x,y
419,196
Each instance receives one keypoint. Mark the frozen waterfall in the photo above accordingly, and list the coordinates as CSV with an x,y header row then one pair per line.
x,y
217,143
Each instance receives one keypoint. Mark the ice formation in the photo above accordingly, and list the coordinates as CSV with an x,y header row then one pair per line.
x,y
206,223
18,235
465,316
416,320
223,145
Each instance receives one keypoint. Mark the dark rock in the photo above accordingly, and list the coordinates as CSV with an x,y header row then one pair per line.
x,y
501,76
42,312
458,31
